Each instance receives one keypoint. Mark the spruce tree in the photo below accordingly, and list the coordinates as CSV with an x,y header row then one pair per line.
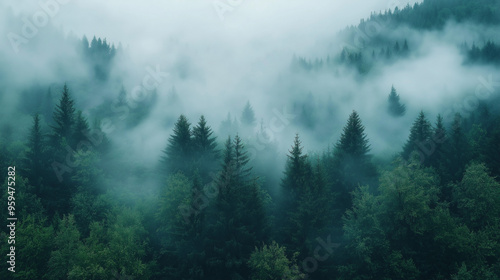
x,y
296,169
235,220
178,153
64,119
397,49
35,156
420,136
405,50
81,130
352,164
248,115
395,108
439,138
205,149
458,151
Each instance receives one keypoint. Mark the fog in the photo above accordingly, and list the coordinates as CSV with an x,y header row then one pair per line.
x,y
217,60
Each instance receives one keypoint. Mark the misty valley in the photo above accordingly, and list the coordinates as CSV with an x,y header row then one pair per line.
x,y
245,140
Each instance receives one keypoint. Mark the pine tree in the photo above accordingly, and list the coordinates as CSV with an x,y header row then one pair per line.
x,y
352,164
81,130
395,108
439,138
397,49
420,135
296,169
178,153
205,149
35,156
64,118
458,151
241,160
236,219
405,50
248,115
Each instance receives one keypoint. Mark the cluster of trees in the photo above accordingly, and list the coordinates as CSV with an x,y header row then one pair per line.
x,y
488,53
433,14
354,56
432,213
100,54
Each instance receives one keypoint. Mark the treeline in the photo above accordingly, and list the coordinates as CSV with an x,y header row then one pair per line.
x,y
432,213
488,53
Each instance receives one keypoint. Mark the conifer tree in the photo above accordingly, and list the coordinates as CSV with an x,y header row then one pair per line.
x,y
296,169
395,108
248,115
405,50
420,135
352,164
64,118
397,49
458,151
35,156
178,153
81,130
236,219
205,149
437,159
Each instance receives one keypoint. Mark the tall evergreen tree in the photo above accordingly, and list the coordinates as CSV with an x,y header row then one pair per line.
x,y
458,151
352,164
64,118
236,219
248,115
178,153
439,138
397,49
405,50
35,156
81,130
205,149
420,135
296,169
395,108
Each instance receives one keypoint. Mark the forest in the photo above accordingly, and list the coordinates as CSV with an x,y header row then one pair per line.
x,y
112,185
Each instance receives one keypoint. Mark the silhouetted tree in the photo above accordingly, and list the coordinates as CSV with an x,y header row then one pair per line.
x,y
395,108
420,136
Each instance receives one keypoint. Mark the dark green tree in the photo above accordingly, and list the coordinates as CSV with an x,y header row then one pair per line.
x,y
64,119
36,156
177,156
437,155
352,164
395,108
458,151
80,132
205,150
420,136
236,220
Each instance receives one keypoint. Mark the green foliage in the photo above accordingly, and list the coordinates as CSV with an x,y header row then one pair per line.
x,y
270,262
33,246
64,119
351,164
205,150
179,151
420,136
477,198
65,251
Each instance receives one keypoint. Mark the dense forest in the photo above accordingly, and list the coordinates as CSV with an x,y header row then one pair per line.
x,y
222,201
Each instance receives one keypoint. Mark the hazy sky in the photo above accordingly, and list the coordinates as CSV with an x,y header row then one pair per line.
x,y
218,63
147,26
